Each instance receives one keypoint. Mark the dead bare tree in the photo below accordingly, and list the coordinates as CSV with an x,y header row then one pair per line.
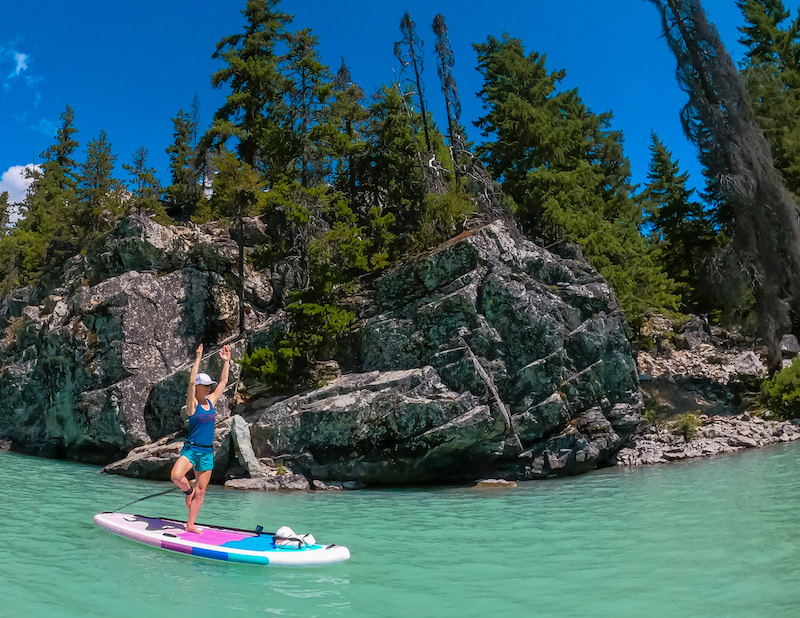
x,y
444,67
409,52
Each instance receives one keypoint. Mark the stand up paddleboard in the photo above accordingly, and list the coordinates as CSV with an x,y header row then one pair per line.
x,y
217,542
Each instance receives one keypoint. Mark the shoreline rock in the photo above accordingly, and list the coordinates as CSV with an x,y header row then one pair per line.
x,y
716,435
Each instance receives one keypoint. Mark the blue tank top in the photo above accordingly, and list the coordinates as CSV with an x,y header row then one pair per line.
x,y
201,428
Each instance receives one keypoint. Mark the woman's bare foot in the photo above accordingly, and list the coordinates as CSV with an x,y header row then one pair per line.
x,y
193,528
189,498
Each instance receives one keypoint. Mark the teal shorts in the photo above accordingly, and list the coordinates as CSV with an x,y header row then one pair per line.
x,y
201,461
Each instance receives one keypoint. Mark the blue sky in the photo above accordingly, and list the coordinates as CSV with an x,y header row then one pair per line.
x,y
129,67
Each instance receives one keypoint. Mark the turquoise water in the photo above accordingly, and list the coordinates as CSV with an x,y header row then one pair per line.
x,y
718,537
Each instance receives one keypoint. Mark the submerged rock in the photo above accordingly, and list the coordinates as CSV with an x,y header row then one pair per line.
x,y
495,483
294,482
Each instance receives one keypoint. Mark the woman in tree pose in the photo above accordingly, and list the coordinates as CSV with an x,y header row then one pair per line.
x,y
197,452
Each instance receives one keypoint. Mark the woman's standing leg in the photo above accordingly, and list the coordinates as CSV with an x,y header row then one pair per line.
x,y
203,479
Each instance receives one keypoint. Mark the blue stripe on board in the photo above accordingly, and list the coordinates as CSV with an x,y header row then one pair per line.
x,y
209,553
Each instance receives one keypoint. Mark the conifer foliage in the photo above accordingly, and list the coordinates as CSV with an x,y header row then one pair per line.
x,y
679,226
564,168
347,181
771,75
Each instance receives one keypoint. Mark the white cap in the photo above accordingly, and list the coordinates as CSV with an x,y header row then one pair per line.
x,y
204,379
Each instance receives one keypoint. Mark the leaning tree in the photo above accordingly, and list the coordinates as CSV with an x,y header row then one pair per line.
x,y
761,214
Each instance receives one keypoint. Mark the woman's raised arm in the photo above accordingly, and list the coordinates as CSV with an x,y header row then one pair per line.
x,y
225,355
191,402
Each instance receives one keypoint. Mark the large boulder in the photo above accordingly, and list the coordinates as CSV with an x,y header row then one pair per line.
x,y
488,354
100,365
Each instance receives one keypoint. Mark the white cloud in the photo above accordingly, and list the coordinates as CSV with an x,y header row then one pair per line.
x,y
15,181
21,63
19,71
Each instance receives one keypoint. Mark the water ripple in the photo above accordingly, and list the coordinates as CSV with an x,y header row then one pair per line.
x,y
704,538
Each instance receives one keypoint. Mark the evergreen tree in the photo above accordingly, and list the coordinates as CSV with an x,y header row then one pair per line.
x,y
50,206
145,188
679,226
253,112
184,191
566,171
60,153
307,81
393,175
763,37
194,119
237,191
444,67
344,127
771,75
100,208
49,212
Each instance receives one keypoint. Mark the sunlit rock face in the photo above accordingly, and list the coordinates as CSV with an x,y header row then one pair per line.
x,y
488,355
99,365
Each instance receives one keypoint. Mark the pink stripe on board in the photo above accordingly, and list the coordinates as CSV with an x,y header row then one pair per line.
x,y
176,547
213,537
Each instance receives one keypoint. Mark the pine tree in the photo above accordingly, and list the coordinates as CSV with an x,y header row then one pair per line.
x,y
253,111
763,36
680,227
60,153
393,174
145,188
184,191
100,208
45,233
566,171
343,131
771,75
307,82
50,206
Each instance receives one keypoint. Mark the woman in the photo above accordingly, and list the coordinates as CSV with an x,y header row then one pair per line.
x,y
198,452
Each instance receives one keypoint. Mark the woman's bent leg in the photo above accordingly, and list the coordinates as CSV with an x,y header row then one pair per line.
x,y
178,475
203,479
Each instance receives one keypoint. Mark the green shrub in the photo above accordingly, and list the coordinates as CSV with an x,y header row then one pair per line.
x,y
442,217
781,393
267,367
653,417
313,332
686,424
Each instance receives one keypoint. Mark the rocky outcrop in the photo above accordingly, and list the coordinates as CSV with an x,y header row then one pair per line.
x,y
694,367
99,365
489,355
716,435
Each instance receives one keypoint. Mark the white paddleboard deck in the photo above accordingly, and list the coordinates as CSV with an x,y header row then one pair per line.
x,y
217,542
